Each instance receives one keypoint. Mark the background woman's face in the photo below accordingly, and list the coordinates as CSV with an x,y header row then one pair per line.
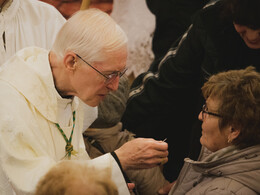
x,y
250,36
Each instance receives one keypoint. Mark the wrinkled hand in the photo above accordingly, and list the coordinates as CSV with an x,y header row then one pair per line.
x,y
141,153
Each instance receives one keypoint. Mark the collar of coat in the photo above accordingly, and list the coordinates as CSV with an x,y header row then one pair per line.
x,y
240,165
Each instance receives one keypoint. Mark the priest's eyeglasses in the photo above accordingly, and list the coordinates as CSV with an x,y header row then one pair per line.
x,y
205,112
109,77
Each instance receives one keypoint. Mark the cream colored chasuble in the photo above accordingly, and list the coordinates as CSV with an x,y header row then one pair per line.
x,y
30,143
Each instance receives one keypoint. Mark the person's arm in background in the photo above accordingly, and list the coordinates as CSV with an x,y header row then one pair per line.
x,y
178,78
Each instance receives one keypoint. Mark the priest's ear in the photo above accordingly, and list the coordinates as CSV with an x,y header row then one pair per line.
x,y
70,61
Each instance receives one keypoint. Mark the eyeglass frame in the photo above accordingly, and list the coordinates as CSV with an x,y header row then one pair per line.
x,y
110,77
203,110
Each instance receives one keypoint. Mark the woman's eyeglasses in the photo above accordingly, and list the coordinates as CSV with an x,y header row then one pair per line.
x,y
205,111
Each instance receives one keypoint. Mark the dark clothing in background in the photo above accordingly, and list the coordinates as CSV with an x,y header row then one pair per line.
x,y
173,17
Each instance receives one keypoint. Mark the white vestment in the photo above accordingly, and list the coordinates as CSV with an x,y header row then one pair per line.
x,y
28,23
30,142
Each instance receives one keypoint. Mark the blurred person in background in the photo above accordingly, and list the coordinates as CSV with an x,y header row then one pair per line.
x,y
27,23
74,178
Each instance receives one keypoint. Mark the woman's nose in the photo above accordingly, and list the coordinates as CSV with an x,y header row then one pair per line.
x,y
200,117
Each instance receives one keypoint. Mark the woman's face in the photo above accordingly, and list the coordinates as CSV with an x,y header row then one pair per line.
x,y
251,37
212,138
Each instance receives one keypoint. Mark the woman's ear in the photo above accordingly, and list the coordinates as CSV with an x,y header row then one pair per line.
x,y
234,133
70,61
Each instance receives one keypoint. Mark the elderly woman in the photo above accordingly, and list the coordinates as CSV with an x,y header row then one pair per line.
x,y
229,162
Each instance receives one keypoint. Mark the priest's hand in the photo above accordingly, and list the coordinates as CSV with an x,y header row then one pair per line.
x,y
142,153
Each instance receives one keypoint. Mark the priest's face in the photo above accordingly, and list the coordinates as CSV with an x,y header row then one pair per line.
x,y
93,81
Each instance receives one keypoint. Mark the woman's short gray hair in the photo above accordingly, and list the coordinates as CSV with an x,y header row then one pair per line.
x,y
91,33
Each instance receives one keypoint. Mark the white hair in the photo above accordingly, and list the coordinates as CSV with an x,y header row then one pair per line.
x,y
90,33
